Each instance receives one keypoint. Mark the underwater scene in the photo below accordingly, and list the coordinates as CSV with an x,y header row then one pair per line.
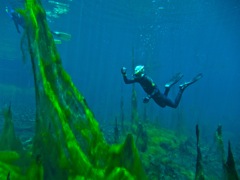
x,y
119,89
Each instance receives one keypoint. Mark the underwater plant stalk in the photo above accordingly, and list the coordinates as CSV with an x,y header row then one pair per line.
x,y
134,112
122,115
199,175
230,169
68,138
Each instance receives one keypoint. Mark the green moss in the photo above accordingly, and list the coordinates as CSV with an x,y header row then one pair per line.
x,y
8,139
36,170
126,156
14,171
87,152
8,156
163,150
188,174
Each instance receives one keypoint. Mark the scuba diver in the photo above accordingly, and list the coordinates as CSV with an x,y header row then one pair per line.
x,y
17,18
152,90
19,21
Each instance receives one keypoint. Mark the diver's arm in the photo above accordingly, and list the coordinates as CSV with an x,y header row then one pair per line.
x,y
124,74
128,81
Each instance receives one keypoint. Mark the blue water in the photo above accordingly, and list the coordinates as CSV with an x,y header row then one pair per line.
x,y
167,37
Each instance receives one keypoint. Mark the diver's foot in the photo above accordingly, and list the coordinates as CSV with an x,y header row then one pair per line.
x,y
174,80
186,84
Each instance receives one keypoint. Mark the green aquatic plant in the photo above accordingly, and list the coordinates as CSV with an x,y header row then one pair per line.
x,y
122,115
116,132
68,143
8,138
229,166
134,103
134,111
219,141
199,165
141,138
162,156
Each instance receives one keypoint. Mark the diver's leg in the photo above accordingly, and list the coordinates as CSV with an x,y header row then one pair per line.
x,y
171,82
174,104
159,99
178,98
170,103
167,89
164,101
174,80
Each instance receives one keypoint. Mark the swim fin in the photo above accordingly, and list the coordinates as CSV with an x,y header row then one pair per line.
x,y
174,80
62,35
195,79
57,41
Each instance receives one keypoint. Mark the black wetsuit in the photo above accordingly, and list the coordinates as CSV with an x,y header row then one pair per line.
x,y
18,20
153,92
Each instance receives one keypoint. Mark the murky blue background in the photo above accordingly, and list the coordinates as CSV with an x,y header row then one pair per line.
x,y
167,36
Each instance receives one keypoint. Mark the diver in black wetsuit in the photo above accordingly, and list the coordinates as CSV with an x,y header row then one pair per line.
x,y
152,90
19,21
17,18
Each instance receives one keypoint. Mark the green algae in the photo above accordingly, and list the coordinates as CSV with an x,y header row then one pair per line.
x,y
68,142
134,102
163,146
8,138
199,175
229,166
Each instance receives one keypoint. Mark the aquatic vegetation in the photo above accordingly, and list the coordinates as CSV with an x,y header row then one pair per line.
x,y
134,110
122,115
163,153
116,132
230,169
68,142
141,138
170,156
219,140
8,139
199,166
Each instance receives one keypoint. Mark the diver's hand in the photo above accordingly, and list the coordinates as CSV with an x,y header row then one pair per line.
x,y
124,71
146,99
